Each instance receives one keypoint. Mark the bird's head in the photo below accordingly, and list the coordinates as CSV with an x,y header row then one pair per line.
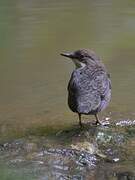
x,y
82,57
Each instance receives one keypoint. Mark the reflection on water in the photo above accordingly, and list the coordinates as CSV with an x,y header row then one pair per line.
x,y
34,77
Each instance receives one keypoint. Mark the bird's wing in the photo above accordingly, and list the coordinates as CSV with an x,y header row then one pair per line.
x,y
73,90
103,83
89,90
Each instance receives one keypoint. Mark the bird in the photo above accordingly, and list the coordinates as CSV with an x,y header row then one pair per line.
x,y
89,88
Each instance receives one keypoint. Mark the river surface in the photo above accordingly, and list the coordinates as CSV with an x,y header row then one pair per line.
x,y
36,125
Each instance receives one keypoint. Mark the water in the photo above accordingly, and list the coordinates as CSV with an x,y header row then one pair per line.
x,y
34,77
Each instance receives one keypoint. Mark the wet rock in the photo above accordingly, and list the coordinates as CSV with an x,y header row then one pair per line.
x,y
85,146
125,176
89,153
18,160
79,157
30,147
103,137
127,122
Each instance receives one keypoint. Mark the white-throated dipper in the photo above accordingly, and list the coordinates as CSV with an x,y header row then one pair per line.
x,y
89,88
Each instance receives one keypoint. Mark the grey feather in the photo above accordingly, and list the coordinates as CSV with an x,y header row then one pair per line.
x,y
89,89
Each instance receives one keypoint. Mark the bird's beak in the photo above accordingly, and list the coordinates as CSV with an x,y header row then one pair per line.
x,y
69,55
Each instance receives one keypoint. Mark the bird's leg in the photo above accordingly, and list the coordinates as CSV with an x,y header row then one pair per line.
x,y
97,120
80,123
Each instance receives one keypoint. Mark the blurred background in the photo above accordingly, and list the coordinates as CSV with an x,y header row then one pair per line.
x,y
39,135
33,76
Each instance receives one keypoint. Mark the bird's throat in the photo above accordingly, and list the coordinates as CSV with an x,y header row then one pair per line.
x,y
78,64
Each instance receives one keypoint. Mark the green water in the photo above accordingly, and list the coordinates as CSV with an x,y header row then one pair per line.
x,y
34,77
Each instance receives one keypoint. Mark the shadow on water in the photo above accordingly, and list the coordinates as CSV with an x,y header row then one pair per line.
x,y
91,152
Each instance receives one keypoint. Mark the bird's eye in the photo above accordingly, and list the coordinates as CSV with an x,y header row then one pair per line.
x,y
81,56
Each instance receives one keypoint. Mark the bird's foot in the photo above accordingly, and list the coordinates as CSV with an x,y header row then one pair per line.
x,y
81,125
105,123
99,123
